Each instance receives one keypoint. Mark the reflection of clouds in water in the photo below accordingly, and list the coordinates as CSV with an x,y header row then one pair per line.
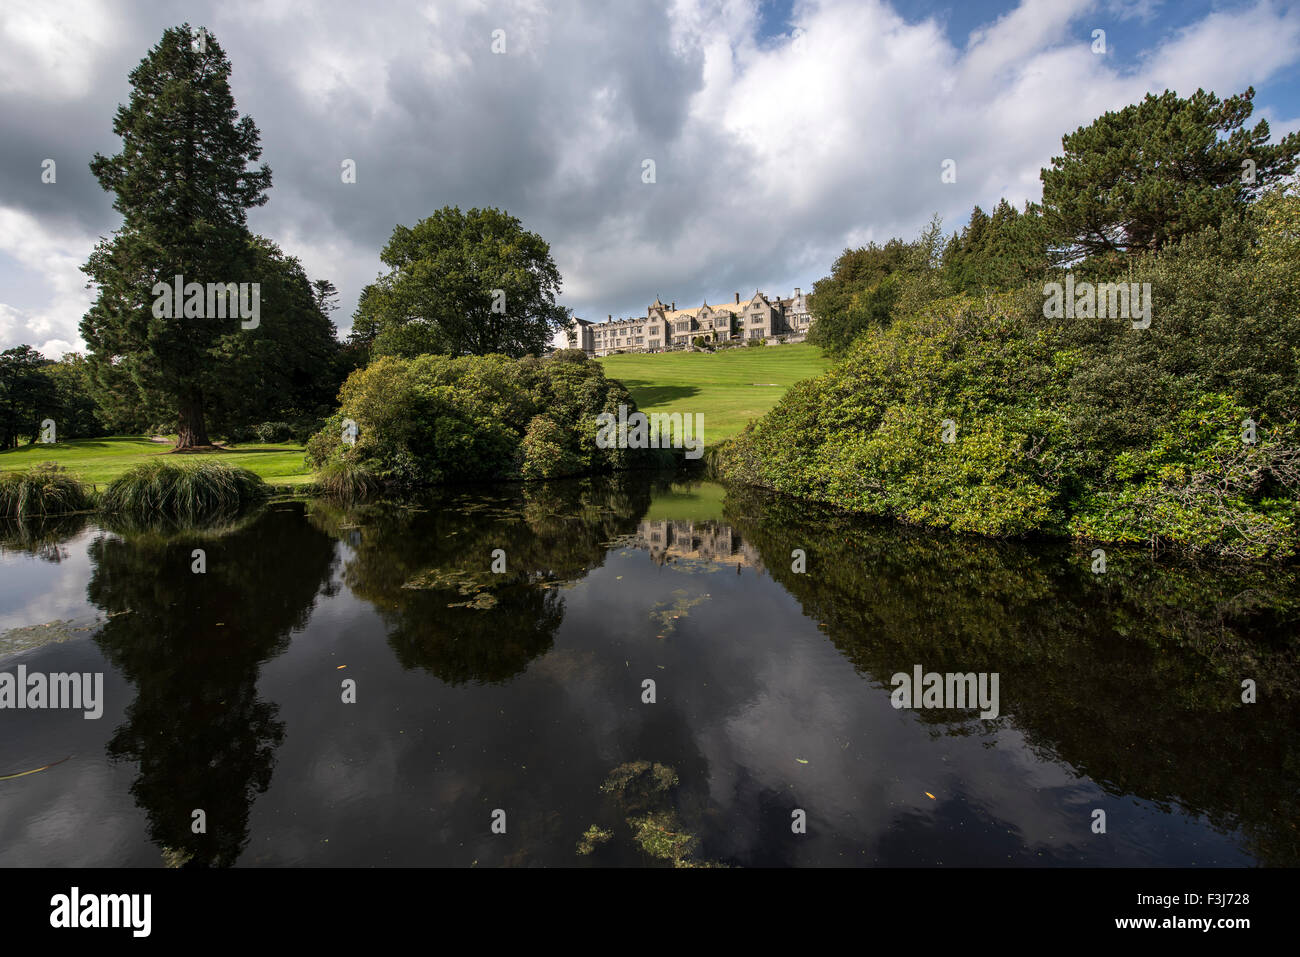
x,y
77,820
37,591
749,688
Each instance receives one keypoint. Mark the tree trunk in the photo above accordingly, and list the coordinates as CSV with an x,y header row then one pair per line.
x,y
193,430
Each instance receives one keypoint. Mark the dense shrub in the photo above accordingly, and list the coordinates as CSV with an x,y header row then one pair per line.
x,y
1180,434
273,432
45,489
296,430
435,419
183,491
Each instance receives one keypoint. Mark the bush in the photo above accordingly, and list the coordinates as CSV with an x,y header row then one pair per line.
x,y
1080,426
273,432
436,419
45,489
298,430
346,482
183,492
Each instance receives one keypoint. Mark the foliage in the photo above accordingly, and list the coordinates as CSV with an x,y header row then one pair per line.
x,y
435,419
45,489
997,252
74,410
346,482
1094,427
472,283
1156,171
183,187
1078,426
858,294
185,492
26,393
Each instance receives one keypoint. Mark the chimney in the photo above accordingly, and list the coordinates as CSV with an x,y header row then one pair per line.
x,y
674,306
796,292
609,317
738,299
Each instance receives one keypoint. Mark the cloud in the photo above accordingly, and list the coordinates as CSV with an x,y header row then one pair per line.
x,y
772,153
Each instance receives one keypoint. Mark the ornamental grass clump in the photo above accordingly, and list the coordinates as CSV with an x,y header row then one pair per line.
x,y
46,489
184,491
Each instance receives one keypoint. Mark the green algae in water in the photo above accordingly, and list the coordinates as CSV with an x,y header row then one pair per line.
x,y
644,791
17,640
466,584
593,837
640,785
661,835
666,616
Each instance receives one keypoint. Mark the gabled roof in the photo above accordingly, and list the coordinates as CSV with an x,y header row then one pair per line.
x,y
695,312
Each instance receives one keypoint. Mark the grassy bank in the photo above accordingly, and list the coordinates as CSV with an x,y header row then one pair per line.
x,y
730,388
100,461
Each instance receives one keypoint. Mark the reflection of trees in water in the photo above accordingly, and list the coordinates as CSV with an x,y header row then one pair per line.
x,y
42,536
552,533
193,646
1133,677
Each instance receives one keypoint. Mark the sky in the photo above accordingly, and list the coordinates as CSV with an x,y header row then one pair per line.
x,y
781,131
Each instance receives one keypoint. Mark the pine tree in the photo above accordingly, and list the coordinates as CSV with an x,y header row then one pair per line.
x,y
183,186
1147,175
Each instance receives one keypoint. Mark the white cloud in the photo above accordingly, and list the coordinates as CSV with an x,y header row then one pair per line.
x,y
51,260
772,155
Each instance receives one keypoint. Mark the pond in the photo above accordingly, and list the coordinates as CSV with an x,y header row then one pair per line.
x,y
637,671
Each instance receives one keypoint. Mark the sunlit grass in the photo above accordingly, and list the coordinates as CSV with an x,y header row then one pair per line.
x,y
730,387
99,461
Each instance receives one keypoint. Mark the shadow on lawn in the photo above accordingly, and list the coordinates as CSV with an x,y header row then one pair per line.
x,y
651,395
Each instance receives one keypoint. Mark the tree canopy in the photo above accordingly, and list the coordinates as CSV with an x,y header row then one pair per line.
x,y
462,283
1155,171
183,185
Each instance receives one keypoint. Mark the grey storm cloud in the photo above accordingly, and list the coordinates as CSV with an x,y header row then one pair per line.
x,y
772,154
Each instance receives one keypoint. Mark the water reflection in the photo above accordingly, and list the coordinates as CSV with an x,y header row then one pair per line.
x,y
429,569
1132,677
521,688
192,645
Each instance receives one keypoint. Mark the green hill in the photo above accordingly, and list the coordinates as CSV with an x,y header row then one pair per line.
x,y
729,387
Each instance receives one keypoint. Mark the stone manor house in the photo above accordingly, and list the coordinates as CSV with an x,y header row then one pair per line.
x,y
665,327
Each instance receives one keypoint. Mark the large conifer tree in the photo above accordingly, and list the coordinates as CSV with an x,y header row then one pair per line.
x,y
183,184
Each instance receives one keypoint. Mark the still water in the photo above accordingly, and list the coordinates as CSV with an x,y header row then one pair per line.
x,y
518,700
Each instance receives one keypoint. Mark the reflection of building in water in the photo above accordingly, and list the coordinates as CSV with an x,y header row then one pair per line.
x,y
701,541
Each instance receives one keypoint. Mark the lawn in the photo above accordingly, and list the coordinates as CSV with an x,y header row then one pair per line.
x,y
729,387
100,461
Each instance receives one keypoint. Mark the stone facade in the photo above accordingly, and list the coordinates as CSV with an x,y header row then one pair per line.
x,y
696,541
665,327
